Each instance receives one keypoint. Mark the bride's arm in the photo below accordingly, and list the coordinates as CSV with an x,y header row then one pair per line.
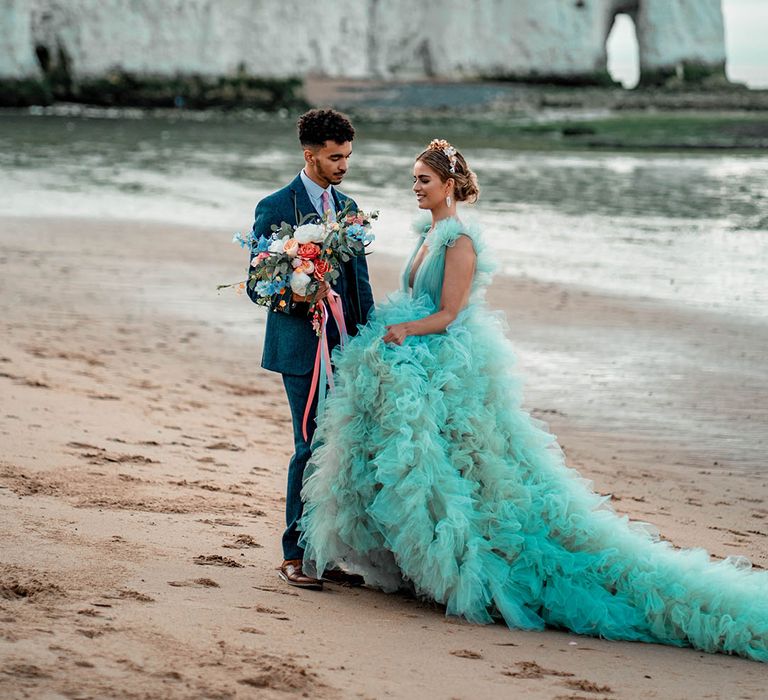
x,y
457,282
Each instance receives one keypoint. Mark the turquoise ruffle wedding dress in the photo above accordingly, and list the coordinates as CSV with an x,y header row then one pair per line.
x,y
427,473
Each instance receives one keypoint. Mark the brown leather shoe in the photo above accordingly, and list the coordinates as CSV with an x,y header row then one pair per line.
x,y
343,578
290,571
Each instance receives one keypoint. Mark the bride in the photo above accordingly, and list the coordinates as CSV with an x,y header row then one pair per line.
x,y
426,472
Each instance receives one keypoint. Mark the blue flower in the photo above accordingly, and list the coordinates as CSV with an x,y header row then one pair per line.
x,y
262,244
279,287
264,288
356,232
238,238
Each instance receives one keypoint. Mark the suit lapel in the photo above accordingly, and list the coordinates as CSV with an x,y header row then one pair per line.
x,y
340,200
301,199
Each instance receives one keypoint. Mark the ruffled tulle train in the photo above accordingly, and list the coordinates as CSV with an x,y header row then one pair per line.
x,y
427,473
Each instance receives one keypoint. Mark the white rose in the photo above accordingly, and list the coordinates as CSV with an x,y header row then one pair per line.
x,y
299,282
309,233
278,245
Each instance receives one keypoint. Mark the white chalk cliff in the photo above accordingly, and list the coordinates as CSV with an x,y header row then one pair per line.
x,y
352,38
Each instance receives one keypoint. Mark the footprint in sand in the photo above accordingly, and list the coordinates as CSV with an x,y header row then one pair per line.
x,y
267,611
530,669
20,587
282,675
34,383
92,632
135,595
467,654
223,445
587,686
242,542
216,560
195,583
241,389
220,521
104,397
25,671
98,455
280,591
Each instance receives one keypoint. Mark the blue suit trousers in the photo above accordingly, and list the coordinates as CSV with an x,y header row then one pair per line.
x,y
297,389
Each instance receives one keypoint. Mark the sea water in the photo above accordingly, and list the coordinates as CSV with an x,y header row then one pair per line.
x,y
691,229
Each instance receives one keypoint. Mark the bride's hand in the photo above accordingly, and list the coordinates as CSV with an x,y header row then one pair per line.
x,y
396,333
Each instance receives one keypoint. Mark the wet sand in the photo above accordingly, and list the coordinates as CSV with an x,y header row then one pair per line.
x,y
143,463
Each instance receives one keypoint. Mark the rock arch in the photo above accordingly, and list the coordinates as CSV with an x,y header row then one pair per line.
x,y
618,53
678,40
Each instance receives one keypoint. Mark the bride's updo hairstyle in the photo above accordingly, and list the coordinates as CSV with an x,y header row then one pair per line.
x,y
447,162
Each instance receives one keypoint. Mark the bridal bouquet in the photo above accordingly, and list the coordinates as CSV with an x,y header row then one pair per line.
x,y
297,259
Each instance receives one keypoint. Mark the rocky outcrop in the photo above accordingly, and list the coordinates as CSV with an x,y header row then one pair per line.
x,y
542,40
680,39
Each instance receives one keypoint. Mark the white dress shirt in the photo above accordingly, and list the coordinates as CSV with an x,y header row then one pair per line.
x,y
315,193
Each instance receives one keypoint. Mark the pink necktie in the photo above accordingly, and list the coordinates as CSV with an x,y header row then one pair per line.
x,y
327,209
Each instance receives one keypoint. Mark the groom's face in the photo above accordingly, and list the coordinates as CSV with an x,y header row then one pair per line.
x,y
327,164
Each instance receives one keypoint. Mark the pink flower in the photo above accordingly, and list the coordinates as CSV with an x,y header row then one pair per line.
x,y
303,265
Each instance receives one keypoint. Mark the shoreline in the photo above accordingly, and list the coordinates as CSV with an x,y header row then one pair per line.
x,y
144,454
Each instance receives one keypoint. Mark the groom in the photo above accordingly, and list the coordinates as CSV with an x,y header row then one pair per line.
x,y
290,342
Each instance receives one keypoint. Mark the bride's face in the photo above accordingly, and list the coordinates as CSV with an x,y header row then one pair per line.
x,y
430,191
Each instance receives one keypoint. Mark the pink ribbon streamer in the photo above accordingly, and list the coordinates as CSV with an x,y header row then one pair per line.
x,y
323,372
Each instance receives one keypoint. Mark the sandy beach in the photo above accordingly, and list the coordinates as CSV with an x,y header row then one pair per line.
x,y
142,464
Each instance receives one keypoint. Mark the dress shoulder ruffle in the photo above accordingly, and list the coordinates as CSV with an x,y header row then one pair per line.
x,y
446,233
421,224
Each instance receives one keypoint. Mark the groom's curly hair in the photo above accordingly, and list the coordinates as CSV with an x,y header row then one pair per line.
x,y
320,125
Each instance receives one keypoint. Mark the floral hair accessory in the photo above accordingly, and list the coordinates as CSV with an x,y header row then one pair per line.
x,y
448,150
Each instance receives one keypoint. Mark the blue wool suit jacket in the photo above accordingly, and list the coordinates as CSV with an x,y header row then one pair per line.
x,y
290,343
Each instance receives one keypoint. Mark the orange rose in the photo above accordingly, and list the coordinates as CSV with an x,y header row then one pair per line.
x,y
309,251
321,267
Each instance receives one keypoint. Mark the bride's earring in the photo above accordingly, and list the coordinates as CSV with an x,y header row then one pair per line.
x,y
448,200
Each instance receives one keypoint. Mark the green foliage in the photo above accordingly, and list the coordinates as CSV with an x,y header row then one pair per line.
x,y
598,78
124,89
24,92
621,130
